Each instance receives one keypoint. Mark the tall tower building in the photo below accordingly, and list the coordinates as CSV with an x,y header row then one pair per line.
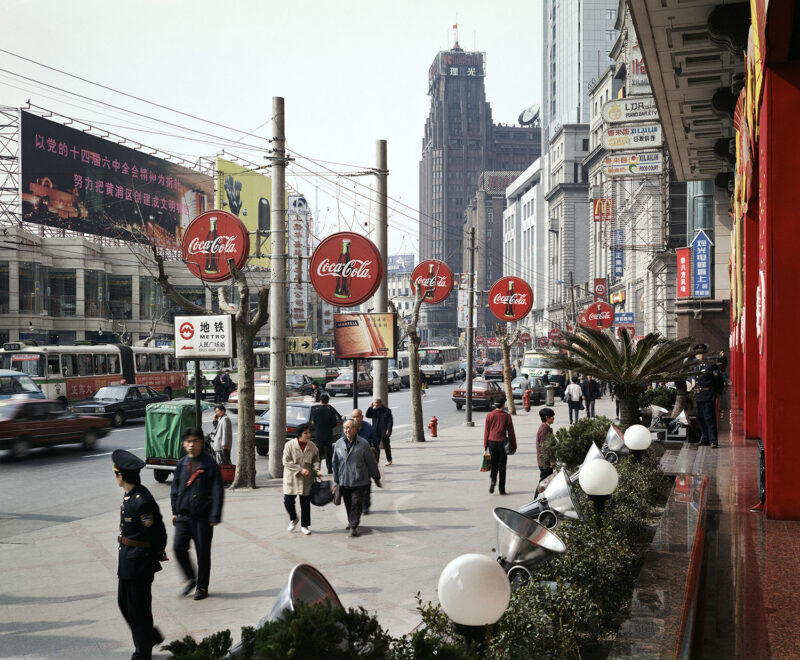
x,y
577,36
460,143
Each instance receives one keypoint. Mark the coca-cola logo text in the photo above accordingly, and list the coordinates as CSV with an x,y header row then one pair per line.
x,y
220,245
434,278
514,299
601,315
510,298
357,268
428,282
211,241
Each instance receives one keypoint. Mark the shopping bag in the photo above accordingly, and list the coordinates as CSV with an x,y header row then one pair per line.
x,y
321,492
486,463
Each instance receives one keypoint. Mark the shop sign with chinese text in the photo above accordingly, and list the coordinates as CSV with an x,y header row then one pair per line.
x,y
345,269
637,108
210,240
510,298
701,265
635,136
684,256
643,163
204,337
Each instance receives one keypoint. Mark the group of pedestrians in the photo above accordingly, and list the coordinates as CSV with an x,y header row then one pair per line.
x,y
223,386
581,395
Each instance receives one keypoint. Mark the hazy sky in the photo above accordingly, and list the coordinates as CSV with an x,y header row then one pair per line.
x,y
351,72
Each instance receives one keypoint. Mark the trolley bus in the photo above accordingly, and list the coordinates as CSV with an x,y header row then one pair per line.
x,y
535,363
72,373
440,363
400,365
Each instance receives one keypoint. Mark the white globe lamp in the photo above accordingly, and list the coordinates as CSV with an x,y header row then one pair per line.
x,y
638,439
598,479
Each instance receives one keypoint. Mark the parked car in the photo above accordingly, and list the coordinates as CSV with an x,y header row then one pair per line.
x,y
296,414
27,423
535,385
119,402
393,378
344,384
481,364
484,394
261,396
17,385
300,382
493,372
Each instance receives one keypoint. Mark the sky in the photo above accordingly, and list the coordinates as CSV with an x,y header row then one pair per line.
x,y
351,72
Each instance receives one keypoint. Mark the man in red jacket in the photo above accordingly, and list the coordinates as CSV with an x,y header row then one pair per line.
x,y
498,426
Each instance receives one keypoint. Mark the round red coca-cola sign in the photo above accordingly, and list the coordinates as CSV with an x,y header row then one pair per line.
x,y
543,341
435,279
525,337
210,240
583,319
345,269
554,334
599,315
510,299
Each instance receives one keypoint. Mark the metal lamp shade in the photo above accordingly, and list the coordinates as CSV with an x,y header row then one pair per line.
x,y
520,540
592,454
615,441
305,584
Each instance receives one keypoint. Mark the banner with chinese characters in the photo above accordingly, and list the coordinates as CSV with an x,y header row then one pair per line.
x,y
618,253
684,256
204,337
298,247
79,182
701,265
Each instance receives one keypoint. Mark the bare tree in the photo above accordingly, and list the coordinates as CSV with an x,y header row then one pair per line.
x,y
411,329
506,342
157,318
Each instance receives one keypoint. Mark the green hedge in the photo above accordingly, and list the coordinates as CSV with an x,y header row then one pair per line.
x,y
659,396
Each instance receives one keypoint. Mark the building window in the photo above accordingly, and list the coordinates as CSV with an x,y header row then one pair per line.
x,y
30,288
93,294
611,35
62,287
611,14
120,297
586,144
4,287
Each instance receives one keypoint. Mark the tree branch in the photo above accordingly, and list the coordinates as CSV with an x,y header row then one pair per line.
x,y
163,281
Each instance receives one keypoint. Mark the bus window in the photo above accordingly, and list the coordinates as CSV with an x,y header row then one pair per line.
x,y
155,362
100,365
69,363
168,363
85,367
113,364
52,366
141,362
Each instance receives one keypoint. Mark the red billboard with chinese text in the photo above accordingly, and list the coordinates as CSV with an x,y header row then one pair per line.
x,y
684,256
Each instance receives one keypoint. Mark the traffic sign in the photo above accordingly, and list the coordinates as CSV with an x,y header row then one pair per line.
x,y
299,344
204,337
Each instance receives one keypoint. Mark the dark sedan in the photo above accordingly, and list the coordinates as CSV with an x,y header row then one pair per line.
x,y
535,385
296,414
119,402
301,382
40,423
484,394
493,372
344,384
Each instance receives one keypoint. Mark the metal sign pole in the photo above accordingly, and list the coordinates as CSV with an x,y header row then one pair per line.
x,y
355,384
198,384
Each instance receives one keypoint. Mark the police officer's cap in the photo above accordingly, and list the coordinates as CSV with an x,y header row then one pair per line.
x,y
700,348
124,460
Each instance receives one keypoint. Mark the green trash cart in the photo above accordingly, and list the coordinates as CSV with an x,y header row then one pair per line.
x,y
164,424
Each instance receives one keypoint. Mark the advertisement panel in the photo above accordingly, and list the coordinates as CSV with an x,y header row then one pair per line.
x,y
603,209
210,240
637,164
400,263
79,182
510,298
618,253
435,278
204,337
247,195
599,315
298,246
635,136
462,308
639,108
636,80
684,256
701,265
364,336
345,269
624,318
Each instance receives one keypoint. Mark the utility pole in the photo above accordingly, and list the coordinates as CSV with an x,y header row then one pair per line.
x,y
277,295
572,303
470,329
380,369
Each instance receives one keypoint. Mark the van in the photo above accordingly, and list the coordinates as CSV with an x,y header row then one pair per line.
x,y
16,385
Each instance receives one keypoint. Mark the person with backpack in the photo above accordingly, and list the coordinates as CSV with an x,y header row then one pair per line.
x,y
497,428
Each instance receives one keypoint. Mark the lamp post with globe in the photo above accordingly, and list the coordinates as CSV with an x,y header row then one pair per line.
x,y
638,440
598,479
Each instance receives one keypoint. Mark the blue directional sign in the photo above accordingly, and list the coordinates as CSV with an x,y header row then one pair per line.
x,y
701,265
624,318
617,253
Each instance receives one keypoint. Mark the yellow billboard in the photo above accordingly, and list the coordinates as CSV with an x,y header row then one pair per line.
x,y
248,195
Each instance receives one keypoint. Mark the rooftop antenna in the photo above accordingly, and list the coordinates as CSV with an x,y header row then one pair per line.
x,y
455,27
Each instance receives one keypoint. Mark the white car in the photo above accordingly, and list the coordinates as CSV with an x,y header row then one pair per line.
x,y
395,383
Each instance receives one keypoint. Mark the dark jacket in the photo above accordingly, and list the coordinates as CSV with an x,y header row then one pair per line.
x,y
140,520
325,418
590,389
382,420
354,463
708,382
203,497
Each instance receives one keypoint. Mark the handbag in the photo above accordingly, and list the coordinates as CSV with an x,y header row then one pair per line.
x,y
337,494
486,463
321,492
580,404
509,447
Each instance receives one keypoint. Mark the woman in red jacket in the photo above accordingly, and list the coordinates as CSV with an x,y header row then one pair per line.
x,y
497,428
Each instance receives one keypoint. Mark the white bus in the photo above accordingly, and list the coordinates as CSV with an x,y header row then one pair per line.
x,y
400,365
440,363
72,373
535,363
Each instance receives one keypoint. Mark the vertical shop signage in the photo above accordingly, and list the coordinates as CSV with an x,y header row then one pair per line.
x,y
684,272
701,265
618,256
298,245
600,289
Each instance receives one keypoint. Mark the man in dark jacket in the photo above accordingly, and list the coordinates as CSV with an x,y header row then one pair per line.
x,y
353,466
196,496
590,392
382,422
325,419
142,540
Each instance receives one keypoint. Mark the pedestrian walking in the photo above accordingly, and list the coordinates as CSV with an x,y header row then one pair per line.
x,y
354,465
366,431
383,421
708,383
222,438
219,388
544,457
142,540
324,419
562,383
300,466
590,392
316,391
573,397
196,497
546,378
497,427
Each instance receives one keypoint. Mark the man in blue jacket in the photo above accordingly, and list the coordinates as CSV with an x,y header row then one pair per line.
x,y
366,431
196,495
354,465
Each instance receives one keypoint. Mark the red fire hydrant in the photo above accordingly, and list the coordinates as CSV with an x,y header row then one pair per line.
x,y
433,425
526,400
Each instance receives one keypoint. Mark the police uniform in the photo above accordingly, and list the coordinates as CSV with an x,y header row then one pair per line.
x,y
142,540
708,383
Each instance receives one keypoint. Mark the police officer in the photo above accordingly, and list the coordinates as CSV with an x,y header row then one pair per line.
x,y
707,384
142,540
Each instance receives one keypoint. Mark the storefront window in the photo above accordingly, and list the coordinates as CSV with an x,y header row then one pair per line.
x,y
700,209
4,287
30,288
152,300
194,294
61,288
93,287
120,297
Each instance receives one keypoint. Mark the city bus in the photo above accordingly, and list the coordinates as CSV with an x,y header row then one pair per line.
x,y
440,363
72,373
535,363
400,365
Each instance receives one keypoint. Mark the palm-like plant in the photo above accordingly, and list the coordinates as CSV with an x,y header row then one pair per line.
x,y
628,366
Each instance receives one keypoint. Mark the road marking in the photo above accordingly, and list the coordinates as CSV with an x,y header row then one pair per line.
x,y
401,426
108,453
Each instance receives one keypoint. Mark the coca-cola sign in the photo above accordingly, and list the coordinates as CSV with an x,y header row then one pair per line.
x,y
554,334
345,269
599,315
510,299
543,341
435,279
210,240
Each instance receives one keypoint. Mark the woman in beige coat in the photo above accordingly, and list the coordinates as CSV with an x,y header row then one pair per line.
x,y
300,466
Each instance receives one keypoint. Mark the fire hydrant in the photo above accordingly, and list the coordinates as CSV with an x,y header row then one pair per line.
x,y
526,400
432,426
